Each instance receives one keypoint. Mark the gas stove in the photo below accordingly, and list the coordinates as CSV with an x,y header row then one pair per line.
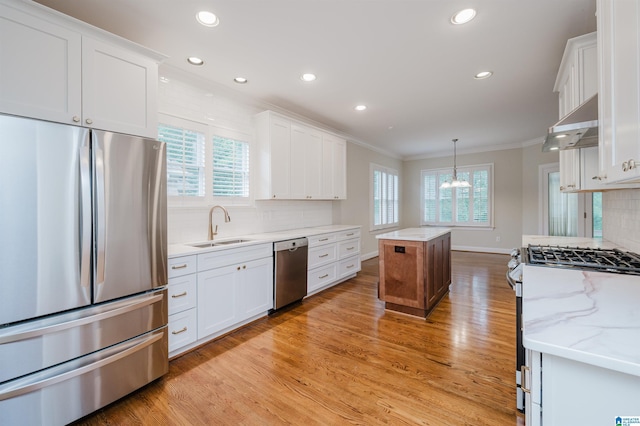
x,y
605,260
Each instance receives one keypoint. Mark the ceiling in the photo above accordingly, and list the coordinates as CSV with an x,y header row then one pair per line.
x,y
402,58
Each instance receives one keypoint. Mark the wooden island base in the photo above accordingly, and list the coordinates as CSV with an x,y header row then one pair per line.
x,y
415,272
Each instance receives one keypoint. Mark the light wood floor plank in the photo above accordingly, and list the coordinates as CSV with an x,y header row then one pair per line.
x,y
340,358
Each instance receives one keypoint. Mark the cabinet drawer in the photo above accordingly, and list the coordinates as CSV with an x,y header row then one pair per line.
x,y
322,255
219,258
318,240
320,277
348,234
348,248
182,329
349,266
182,293
182,266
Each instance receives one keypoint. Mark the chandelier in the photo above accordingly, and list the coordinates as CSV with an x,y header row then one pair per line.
x,y
455,183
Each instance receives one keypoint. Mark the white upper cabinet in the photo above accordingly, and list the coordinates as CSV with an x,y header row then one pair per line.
x,y
58,69
619,89
119,89
40,68
577,81
296,161
334,159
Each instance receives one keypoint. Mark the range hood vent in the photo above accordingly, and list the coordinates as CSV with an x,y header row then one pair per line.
x,y
578,129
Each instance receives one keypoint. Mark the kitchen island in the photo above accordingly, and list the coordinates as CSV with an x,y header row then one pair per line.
x,y
415,269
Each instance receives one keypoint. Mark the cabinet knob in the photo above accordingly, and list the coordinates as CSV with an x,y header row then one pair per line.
x,y
562,188
632,164
76,119
238,268
274,195
88,121
244,266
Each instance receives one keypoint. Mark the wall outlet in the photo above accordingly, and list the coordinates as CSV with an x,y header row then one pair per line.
x,y
498,239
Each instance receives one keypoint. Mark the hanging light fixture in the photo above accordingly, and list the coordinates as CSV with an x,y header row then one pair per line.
x,y
455,183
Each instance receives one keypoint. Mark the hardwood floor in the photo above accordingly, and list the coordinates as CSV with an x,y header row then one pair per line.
x,y
340,358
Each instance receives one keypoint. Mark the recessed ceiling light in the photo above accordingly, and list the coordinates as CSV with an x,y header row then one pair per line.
x,y
241,80
194,60
483,74
308,77
463,16
207,18
360,107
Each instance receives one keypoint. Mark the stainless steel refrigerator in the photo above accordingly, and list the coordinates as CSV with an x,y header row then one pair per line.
x,y
83,269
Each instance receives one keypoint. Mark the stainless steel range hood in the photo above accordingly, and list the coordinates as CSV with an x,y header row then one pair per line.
x,y
578,129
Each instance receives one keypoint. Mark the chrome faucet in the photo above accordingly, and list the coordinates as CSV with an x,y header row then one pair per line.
x,y
213,232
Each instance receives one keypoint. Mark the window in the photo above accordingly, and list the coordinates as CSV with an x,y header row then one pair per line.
x,y
384,209
457,206
204,163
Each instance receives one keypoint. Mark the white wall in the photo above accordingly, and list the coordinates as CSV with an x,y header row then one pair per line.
x,y
507,184
621,218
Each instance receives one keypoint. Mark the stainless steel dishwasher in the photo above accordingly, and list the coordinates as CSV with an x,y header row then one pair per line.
x,y
289,271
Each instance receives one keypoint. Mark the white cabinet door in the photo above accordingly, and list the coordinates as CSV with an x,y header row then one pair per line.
x,y
217,299
306,162
570,170
334,157
40,68
280,154
119,89
256,288
619,89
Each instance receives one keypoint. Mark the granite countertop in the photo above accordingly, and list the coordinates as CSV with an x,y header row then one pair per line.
x,y
184,249
591,317
414,234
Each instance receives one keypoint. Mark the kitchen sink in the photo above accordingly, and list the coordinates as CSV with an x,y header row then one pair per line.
x,y
218,243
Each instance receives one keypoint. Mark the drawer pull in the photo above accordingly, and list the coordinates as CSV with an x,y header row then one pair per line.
x,y
179,266
323,255
350,248
350,266
350,234
324,239
324,276
526,378
175,296
180,331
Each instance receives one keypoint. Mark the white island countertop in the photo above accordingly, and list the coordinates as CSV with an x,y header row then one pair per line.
x,y
591,317
414,234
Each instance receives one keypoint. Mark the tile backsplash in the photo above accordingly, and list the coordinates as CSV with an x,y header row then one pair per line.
x,y
621,218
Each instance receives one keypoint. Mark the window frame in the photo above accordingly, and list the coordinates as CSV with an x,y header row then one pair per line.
x,y
489,167
373,168
209,132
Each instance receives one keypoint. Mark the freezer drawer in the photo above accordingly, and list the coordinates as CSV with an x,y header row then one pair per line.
x,y
66,392
34,345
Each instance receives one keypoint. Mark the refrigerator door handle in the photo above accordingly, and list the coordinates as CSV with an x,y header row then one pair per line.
x,y
99,203
85,212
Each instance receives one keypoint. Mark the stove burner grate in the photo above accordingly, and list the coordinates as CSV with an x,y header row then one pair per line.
x,y
609,260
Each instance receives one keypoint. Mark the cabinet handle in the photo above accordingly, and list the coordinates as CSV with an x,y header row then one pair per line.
x,y
179,267
324,239
571,186
524,371
175,296
324,276
88,121
350,266
350,248
76,119
180,331
350,234
562,188
323,255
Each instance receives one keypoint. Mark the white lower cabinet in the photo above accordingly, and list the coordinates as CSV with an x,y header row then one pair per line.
x,y
568,392
182,302
333,257
230,294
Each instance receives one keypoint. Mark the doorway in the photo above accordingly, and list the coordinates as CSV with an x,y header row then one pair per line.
x,y
577,214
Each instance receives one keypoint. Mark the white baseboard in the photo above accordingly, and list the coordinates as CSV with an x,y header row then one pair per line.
x,y
367,256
